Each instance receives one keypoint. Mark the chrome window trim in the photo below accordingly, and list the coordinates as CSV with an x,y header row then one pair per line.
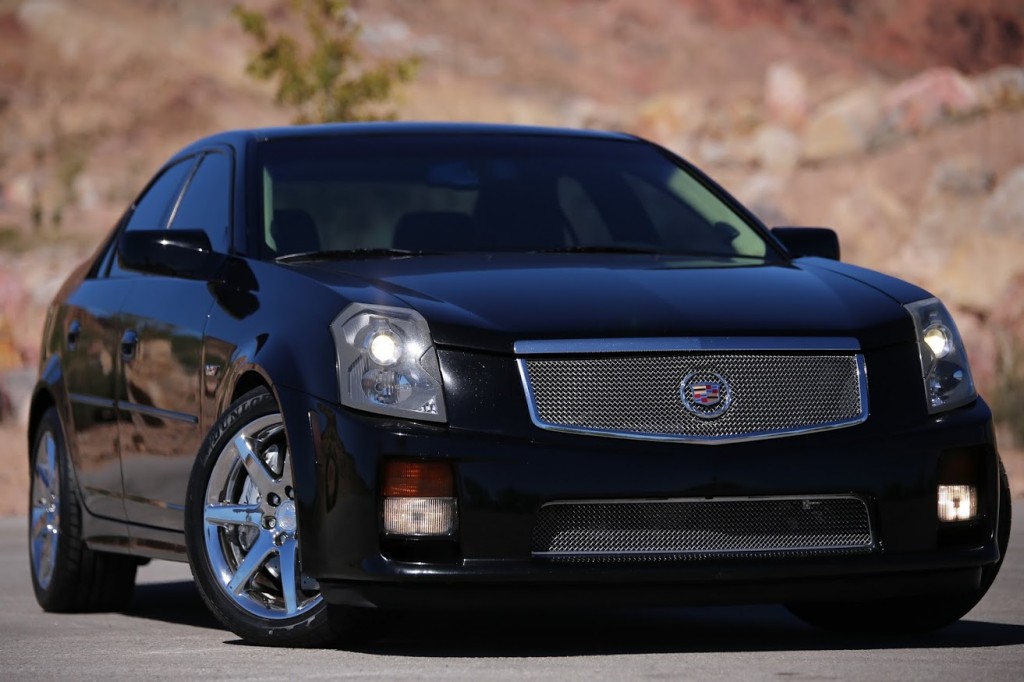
x,y
608,346
148,410
158,412
687,343
91,400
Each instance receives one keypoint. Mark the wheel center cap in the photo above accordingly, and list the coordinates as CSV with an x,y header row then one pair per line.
x,y
287,521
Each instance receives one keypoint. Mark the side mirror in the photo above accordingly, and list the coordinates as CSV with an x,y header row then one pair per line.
x,y
178,253
809,241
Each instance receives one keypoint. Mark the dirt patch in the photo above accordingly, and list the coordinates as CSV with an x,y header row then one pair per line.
x,y
13,471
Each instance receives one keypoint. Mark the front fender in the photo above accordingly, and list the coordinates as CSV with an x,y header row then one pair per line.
x,y
279,329
48,391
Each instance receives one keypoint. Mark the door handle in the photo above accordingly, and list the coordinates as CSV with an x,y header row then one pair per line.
x,y
74,332
129,345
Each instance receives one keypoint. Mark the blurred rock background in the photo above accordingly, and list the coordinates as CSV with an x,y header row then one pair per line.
x,y
900,123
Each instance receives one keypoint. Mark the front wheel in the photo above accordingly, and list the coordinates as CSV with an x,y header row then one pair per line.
x,y
242,533
908,615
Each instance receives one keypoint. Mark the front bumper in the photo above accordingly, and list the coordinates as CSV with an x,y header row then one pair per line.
x,y
502,480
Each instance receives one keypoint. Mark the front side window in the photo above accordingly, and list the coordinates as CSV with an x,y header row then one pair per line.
x,y
206,204
490,193
151,210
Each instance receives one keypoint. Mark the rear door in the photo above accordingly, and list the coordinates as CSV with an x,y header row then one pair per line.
x,y
162,321
90,329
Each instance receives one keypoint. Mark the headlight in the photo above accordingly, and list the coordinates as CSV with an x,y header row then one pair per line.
x,y
387,362
947,377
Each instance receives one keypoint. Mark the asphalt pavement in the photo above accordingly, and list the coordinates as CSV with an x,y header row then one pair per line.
x,y
168,634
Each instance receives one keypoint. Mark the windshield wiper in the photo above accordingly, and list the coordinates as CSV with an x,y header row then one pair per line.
x,y
348,253
606,248
613,248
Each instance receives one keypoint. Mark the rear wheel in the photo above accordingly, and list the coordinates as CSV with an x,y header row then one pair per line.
x,y
908,615
67,576
242,533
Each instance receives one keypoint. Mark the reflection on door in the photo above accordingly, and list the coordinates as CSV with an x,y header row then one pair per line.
x,y
90,329
160,346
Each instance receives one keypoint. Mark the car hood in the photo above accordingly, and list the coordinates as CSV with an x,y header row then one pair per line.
x,y
488,302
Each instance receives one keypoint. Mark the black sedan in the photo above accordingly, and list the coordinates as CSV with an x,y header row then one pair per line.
x,y
351,370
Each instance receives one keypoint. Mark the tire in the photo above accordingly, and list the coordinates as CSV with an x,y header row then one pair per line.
x,y
67,576
910,615
242,535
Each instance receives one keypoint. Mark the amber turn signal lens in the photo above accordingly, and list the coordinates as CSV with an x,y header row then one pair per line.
x,y
417,479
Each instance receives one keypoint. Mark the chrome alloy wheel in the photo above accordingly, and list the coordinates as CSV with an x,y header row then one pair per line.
x,y
251,526
44,524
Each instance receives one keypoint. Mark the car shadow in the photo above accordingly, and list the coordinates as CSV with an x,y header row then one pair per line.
x,y
172,602
530,634
678,630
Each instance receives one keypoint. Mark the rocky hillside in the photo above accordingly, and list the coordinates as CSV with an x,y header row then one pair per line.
x,y
897,122
896,36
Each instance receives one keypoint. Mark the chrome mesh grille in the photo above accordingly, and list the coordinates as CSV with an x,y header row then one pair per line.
x,y
639,395
702,529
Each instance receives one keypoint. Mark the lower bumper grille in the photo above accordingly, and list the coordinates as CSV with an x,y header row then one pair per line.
x,y
643,530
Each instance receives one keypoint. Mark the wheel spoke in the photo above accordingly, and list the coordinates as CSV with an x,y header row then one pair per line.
x,y
39,518
256,469
43,547
288,558
262,548
51,465
232,514
286,468
46,466
48,548
38,542
43,476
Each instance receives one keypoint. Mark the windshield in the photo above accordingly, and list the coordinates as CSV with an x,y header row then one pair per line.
x,y
411,194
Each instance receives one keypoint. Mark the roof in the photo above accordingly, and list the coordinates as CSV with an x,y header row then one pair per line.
x,y
239,137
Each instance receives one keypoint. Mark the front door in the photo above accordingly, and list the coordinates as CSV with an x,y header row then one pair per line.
x,y
161,333
162,322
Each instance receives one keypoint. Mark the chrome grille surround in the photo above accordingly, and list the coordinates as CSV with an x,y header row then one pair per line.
x,y
702,529
630,388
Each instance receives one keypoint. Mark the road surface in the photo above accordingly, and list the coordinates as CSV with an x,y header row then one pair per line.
x,y
168,634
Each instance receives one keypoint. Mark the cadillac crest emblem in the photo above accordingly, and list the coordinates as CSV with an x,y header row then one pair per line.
x,y
705,394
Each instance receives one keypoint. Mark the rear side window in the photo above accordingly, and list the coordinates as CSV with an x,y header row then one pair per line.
x,y
206,204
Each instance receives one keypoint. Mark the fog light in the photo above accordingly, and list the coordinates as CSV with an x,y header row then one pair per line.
x,y
419,498
958,502
419,515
